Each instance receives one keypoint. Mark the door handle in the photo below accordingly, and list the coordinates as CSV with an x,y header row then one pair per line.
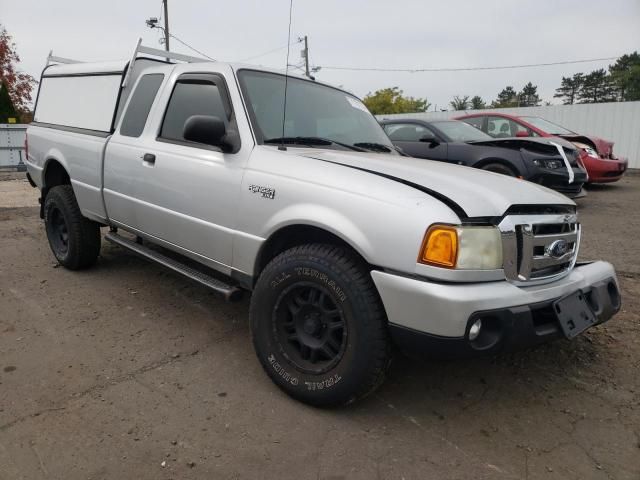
x,y
149,158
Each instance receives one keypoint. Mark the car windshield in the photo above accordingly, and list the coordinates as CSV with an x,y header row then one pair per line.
x,y
547,126
316,115
460,131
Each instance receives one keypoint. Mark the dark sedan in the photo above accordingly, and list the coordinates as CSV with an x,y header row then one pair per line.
x,y
534,159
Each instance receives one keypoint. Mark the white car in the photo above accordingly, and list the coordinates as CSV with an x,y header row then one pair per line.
x,y
346,245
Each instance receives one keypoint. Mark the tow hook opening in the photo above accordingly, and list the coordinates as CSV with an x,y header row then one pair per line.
x,y
614,294
484,332
593,301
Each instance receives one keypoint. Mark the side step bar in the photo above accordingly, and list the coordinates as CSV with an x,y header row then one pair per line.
x,y
230,292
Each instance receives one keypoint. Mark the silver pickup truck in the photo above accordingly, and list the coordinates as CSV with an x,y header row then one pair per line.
x,y
347,246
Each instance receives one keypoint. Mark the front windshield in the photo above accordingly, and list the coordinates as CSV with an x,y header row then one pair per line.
x,y
547,126
461,132
313,111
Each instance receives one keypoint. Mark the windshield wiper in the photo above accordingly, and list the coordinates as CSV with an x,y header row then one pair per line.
x,y
377,147
311,142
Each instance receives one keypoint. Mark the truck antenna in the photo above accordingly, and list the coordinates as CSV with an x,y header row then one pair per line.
x,y
286,78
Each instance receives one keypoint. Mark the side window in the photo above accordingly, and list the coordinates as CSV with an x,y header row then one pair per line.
x,y
499,127
191,97
406,132
474,122
522,128
142,98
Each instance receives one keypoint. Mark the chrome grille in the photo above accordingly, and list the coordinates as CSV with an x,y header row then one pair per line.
x,y
539,248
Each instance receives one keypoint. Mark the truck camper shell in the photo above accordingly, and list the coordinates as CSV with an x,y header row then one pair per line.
x,y
88,97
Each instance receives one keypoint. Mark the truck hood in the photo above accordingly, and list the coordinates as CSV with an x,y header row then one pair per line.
x,y
469,191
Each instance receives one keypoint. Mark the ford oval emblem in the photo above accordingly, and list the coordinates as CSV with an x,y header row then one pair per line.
x,y
557,249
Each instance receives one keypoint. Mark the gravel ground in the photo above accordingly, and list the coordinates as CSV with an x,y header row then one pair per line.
x,y
129,371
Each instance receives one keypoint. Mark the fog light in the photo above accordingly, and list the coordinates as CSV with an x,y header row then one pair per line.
x,y
474,331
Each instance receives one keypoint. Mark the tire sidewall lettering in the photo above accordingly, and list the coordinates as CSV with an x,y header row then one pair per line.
x,y
280,370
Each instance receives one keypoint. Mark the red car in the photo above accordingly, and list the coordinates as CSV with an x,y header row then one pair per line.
x,y
596,154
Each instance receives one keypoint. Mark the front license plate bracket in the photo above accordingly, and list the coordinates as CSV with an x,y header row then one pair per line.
x,y
574,314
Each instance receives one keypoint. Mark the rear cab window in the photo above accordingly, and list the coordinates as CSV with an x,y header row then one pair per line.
x,y
135,118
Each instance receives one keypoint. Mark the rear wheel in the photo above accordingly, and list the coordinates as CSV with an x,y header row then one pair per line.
x,y
318,325
74,240
499,168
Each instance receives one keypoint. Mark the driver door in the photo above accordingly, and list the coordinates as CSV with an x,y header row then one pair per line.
x,y
183,193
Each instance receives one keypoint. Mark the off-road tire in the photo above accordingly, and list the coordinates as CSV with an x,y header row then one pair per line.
x,y
343,284
74,240
499,168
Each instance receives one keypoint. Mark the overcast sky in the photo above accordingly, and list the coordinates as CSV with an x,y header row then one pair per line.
x,y
354,33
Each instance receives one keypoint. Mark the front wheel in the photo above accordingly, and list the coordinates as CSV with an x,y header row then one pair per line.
x,y
499,168
74,240
319,327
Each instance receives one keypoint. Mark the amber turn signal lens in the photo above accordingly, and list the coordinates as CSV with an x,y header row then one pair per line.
x,y
440,246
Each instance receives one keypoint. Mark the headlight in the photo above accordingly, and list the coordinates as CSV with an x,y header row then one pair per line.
x,y
550,164
591,152
463,248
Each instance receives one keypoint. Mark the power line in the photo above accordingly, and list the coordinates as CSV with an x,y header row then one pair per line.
x,y
463,69
192,48
270,51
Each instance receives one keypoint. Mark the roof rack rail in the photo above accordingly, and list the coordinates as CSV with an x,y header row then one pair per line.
x,y
158,53
53,59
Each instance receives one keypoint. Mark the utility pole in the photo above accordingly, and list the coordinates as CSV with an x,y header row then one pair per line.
x,y
306,57
166,25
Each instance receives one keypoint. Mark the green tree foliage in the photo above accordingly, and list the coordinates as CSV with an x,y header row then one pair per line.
x,y
569,89
506,98
477,103
7,109
391,100
528,96
625,77
597,87
460,103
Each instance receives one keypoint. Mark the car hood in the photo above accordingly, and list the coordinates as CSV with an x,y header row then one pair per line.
x,y
542,145
602,146
469,191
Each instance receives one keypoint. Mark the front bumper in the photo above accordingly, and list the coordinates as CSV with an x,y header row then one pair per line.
x,y
558,179
436,317
605,170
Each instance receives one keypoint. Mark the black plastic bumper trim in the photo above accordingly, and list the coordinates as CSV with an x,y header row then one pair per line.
x,y
509,329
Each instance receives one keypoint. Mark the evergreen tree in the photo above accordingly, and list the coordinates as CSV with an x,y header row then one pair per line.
x,y
7,109
625,76
597,87
506,98
569,89
477,103
528,96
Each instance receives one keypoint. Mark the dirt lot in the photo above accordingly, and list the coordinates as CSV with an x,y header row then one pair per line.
x,y
128,371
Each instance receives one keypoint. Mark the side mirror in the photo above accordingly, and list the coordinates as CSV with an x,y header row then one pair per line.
x,y
430,139
522,133
205,129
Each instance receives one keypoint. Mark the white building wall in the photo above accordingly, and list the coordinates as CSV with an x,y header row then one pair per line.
x,y
618,122
12,153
